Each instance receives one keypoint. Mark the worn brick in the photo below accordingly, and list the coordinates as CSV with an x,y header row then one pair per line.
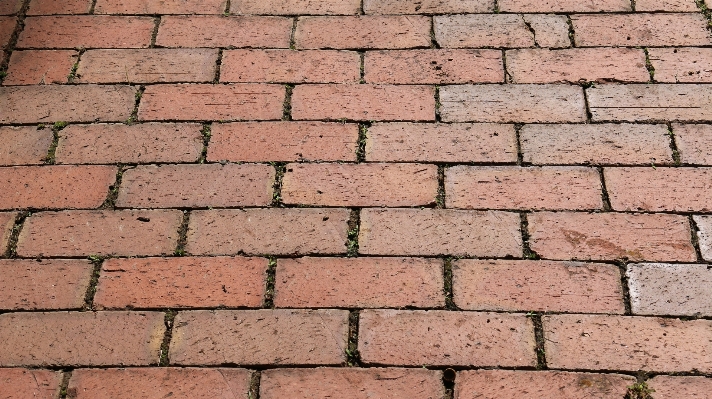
x,y
55,187
127,144
363,102
632,30
670,289
359,283
439,232
598,342
48,284
704,235
218,31
550,30
86,31
669,387
181,283
7,222
512,103
212,102
427,6
24,145
683,65
32,67
160,7
190,186
283,141
601,236
433,66
308,66
81,338
54,7
23,383
268,231
81,233
296,7
363,32
7,28
157,383
333,184
694,143
564,6
260,337
482,30
10,7
666,5
544,286
596,144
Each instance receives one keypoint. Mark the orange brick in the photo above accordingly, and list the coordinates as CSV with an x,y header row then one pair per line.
x,y
86,31
482,30
7,28
7,222
32,67
22,383
427,6
10,7
563,6
24,145
670,289
296,7
669,387
666,5
160,7
363,32
550,30
52,7
684,65
694,143
632,30
218,31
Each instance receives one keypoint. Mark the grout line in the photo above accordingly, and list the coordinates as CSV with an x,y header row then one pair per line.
x,y
695,239
438,105
632,5
134,113
361,10
625,287
362,138
113,193
604,191
706,11
218,67
496,7
527,252
154,34
539,339
293,35
353,357
354,228
362,67
572,32
287,105
676,155
73,73
11,250
440,196
206,132
270,282
584,87
279,168
51,151
97,262
507,76
10,48
92,9
649,65
226,13
255,379
433,40
449,379
183,234
517,133
168,320
531,29
64,385
448,284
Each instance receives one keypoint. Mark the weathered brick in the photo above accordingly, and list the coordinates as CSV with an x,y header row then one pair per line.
x,y
10,7
90,103
364,102
268,231
669,387
160,7
550,30
181,282
514,187
694,143
601,236
156,65
157,383
7,222
23,383
260,337
80,233
666,5
86,31
439,338
48,284
598,342
670,289
564,6
512,103
351,383
296,7
7,28
24,145
363,32
53,7
120,143
212,102
283,141
427,6
439,232
482,30
659,189
596,144
55,187
218,31
704,223
32,67
371,184
433,66
81,338
359,283
544,286
684,65
506,384
632,30
308,66
190,186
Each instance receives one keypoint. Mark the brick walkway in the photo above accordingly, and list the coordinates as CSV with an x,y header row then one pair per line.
x,y
356,199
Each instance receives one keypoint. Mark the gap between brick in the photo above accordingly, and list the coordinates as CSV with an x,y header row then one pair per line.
x,y
625,287
270,281
649,65
182,234
604,191
440,197
694,230
19,26
539,339
97,262
353,357
527,252
206,133
64,385
572,32
168,320
354,226
11,250
447,284
154,34
676,157
255,380
113,193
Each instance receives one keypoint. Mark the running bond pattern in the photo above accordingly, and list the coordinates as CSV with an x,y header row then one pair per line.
x,y
355,198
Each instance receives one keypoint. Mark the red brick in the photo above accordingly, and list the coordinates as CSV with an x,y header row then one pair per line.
x,y
52,7
439,232
609,236
666,5
86,31
119,233
32,67
543,286
359,283
460,142
631,30
81,338
364,102
446,338
214,31
48,284
694,143
669,387
427,6
7,222
640,102
181,283
55,187
505,384
550,30
704,223
670,289
157,383
283,141
309,66
139,143
434,66
45,104
598,342
684,65
147,66
333,184
659,189
482,30
296,7
24,145
260,337
7,28
10,7
351,383
160,7
563,6
514,187
191,186
512,103
22,383
596,144
363,32
268,231
212,102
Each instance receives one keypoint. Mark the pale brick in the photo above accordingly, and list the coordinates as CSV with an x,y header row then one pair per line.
x,y
52,7
363,32
482,30
86,31
550,30
670,289
24,145
632,30
160,7
666,5
296,7
694,142
682,65
704,224
32,67
218,31
670,387
427,6
564,5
